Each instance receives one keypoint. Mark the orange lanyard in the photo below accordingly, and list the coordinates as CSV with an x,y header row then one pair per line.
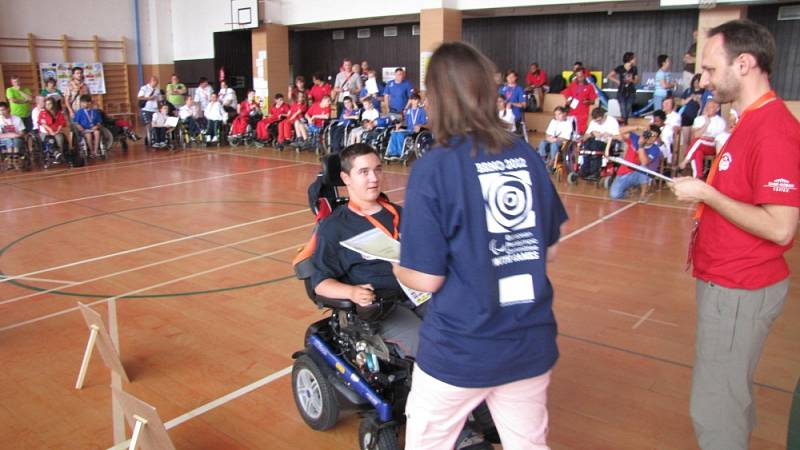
x,y
763,100
389,207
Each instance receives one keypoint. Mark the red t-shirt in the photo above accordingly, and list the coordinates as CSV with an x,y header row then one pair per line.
x,y
760,165
537,80
318,91
301,107
276,111
55,123
315,110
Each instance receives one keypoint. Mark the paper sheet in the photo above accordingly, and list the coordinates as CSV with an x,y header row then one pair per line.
x,y
172,122
374,244
372,86
639,168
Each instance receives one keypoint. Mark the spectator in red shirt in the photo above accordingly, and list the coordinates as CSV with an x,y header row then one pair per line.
x,y
299,86
746,221
580,97
277,112
319,89
537,84
296,112
53,123
316,116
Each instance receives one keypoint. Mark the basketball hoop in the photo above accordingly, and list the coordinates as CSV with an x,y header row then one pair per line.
x,y
706,4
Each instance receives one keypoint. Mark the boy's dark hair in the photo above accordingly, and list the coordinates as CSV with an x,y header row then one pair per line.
x,y
347,98
352,152
86,98
414,97
577,63
367,99
661,60
278,96
50,80
746,36
660,114
202,80
511,71
627,57
3,104
560,109
316,76
598,112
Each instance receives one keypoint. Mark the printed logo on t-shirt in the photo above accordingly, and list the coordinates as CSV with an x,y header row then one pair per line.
x,y
781,185
508,195
725,162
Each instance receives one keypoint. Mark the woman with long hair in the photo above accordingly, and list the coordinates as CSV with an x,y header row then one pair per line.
x,y
482,217
53,123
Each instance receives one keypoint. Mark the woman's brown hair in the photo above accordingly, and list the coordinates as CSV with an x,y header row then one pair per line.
x,y
462,98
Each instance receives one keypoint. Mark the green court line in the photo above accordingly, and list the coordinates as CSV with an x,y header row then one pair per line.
x,y
23,285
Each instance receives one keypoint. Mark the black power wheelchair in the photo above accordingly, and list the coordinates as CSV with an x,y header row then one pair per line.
x,y
345,364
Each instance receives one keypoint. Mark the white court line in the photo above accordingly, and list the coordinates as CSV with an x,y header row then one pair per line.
x,y
637,317
644,317
158,244
153,264
38,176
216,403
596,222
597,197
196,180
154,286
43,280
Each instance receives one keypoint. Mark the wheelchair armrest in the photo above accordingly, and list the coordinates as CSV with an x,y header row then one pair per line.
x,y
334,303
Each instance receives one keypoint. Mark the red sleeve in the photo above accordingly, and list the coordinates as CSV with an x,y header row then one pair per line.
x,y
776,169
60,120
592,94
568,91
530,79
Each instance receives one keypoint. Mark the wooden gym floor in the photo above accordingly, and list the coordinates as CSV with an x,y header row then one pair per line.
x,y
195,246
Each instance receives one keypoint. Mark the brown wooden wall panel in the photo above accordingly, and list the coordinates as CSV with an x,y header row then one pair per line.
x,y
786,71
316,51
596,39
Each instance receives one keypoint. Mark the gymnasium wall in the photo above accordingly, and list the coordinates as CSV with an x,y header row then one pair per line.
x,y
596,39
786,73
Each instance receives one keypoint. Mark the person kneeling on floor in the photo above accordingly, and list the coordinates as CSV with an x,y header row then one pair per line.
x,y
646,153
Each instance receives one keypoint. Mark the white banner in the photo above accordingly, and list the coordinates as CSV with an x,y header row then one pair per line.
x,y
62,73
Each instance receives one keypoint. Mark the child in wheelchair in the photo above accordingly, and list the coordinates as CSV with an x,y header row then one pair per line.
x,y
54,132
368,121
267,128
88,122
216,117
603,131
191,118
308,130
162,128
374,328
416,118
347,118
13,150
249,113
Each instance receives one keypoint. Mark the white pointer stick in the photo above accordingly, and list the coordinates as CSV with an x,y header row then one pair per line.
x,y
639,168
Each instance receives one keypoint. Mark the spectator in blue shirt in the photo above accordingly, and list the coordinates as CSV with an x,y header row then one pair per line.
x,y
515,96
88,121
397,92
481,219
664,83
646,153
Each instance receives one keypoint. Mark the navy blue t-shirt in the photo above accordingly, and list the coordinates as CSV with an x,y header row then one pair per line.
x,y
485,223
398,95
331,260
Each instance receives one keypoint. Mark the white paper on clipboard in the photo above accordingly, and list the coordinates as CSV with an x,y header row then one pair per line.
x,y
574,103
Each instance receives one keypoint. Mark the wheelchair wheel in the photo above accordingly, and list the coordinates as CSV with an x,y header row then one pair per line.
x,y
422,143
313,394
572,178
233,141
373,438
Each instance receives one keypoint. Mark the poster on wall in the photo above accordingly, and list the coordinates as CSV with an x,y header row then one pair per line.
x,y
62,72
424,59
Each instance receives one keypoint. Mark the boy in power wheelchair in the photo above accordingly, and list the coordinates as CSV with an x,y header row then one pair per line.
x,y
361,356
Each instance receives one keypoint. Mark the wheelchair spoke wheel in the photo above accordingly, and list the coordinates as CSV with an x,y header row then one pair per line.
x,y
314,395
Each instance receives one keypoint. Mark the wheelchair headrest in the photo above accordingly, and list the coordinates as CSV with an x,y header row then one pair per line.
x,y
332,170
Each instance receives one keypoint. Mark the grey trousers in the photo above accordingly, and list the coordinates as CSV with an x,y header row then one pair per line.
x,y
732,326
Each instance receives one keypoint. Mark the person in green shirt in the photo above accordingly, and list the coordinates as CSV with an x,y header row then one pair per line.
x,y
21,100
176,92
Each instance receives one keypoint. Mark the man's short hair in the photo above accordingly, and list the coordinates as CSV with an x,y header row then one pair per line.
x,y
347,98
577,63
598,112
745,36
660,114
76,69
661,60
350,153
399,69
202,80
4,105
86,98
